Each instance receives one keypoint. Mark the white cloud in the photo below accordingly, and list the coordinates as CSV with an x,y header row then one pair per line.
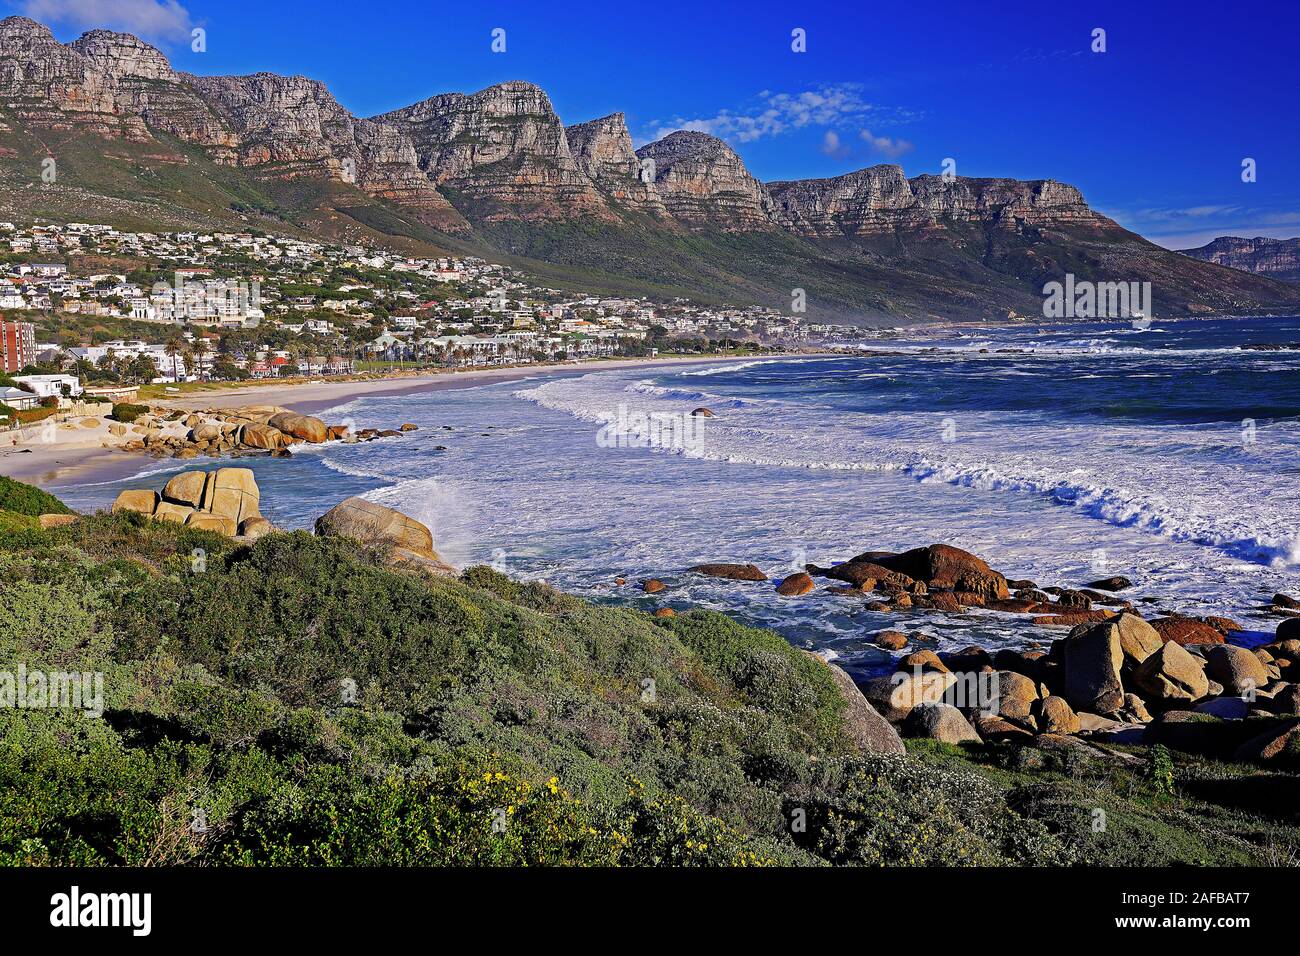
x,y
158,20
832,146
777,113
885,145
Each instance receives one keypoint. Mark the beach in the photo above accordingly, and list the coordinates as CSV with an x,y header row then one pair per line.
x,y
79,456
1056,455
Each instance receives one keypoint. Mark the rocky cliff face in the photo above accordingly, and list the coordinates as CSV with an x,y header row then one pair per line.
x,y
46,84
146,86
501,159
504,150
704,183
290,127
602,148
115,85
1278,258
882,199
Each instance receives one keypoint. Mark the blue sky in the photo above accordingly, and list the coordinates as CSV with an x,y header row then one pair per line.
x,y
1154,130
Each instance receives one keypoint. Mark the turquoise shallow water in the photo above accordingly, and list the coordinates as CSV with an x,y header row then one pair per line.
x,y
1168,454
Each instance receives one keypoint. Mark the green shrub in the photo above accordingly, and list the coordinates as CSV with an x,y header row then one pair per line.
x,y
127,413
310,706
25,500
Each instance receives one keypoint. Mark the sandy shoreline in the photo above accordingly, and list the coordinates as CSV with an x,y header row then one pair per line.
x,y
70,462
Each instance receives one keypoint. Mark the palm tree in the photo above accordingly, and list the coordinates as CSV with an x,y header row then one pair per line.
x,y
173,349
200,351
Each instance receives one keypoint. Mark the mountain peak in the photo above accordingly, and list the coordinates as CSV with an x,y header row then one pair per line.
x,y
122,55
602,148
1276,258
706,185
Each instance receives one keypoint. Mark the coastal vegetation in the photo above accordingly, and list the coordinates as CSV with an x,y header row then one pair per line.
x,y
23,499
296,701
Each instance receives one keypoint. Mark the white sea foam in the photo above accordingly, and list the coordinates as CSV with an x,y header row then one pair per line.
x,y
1182,483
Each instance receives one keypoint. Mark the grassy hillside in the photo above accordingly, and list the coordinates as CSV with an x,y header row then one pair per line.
x,y
306,705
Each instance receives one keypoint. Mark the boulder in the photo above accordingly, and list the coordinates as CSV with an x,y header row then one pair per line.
x,y
665,612
1096,724
1092,663
1284,600
262,436
1186,630
1054,715
1028,663
169,511
863,725
117,430
895,696
1072,618
925,660
942,722
653,586
967,660
203,521
867,575
57,521
944,601
407,427
1112,584
137,500
374,524
1016,696
232,493
703,412
1074,599
1171,674
1225,625
1286,701
1135,709
1237,669
943,566
338,432
1138,640
1288,649
890,640
303,427
255,528
208,431
1013,605
257,413
731,572
1289,629
796,585
1270,745
186,488
996,728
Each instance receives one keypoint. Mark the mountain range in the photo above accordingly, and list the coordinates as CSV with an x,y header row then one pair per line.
x,y
496,173
1278,258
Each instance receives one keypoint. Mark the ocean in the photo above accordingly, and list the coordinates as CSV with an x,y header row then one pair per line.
x,y
1061,454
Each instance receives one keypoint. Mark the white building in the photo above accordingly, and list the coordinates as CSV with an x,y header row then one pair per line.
x,y
56,386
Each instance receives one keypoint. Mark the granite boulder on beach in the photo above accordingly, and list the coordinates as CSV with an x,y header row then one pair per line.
x,y
226,500
410,542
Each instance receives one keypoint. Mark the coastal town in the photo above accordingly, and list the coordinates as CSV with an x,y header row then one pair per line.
x,y
92,309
